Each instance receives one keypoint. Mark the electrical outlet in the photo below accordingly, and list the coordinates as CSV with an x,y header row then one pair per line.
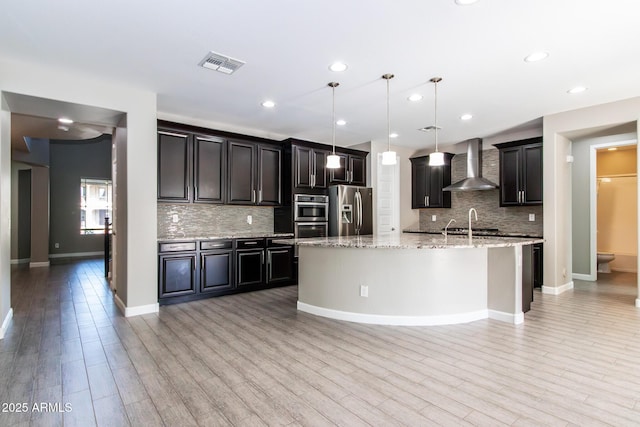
x,y
532,217
176,218
364,291
249,219
56,245
433,218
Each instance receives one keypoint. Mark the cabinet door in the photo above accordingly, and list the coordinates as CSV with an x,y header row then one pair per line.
x,y
174,169
510,164
319,168
419,170
537,265
249,267
279,264
216,271
532,174
302,167
241,167
358,170
340,175
209,170
434,186
177,275
269,175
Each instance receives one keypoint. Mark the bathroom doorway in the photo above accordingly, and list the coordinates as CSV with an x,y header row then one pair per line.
x,y
613,207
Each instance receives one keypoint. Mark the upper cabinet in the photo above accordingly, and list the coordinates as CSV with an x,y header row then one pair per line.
x,y
310,169
352,171
191,167
255,172
427,183
521,172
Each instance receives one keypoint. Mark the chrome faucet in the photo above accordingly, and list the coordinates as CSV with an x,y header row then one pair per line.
x,y
476,215
446,227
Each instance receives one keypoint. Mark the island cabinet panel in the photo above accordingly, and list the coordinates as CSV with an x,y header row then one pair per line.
x,y
177,275
210,161
255,174
521,172
174,166
427,183
309,167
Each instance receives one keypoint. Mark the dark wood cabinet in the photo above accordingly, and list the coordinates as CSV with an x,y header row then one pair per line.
x,y
427,183
352,170
250,261
191,168
309,167
174,166
538,265
280,265
255,174
521,172
216,266
177,270
209,175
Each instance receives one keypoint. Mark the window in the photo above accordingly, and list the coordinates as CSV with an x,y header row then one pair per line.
x,y
95,204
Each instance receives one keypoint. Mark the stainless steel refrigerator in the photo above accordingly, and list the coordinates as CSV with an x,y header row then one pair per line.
x,y
350,210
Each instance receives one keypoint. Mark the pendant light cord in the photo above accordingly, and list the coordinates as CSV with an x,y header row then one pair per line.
x,y
388,120
435,112
333,86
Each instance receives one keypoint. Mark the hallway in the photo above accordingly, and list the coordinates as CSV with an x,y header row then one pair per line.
x,y
252,359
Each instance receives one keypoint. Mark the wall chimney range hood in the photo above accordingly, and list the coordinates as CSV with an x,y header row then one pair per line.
x,y
474,180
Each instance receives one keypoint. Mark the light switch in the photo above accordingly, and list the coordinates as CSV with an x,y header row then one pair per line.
x,y
249,219
433,218
532,217
176,218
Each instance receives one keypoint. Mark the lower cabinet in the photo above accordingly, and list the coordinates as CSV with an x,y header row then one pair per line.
x,y
192,270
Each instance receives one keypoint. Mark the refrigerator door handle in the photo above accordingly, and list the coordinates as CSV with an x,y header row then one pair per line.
x,y
358,219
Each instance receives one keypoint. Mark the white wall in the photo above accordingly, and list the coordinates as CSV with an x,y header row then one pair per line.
x,y
140,106
557,130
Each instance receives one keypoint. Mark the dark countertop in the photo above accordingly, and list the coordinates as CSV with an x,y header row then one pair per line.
x,y
230,235
475,233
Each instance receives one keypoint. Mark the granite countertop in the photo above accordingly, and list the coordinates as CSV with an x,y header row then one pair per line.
x,y
412,241
230,235
475,233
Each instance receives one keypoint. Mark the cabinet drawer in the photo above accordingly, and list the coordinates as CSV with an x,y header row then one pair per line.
x,y
178,247
249,243
216,244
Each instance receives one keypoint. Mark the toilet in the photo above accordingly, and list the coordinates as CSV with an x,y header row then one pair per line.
x,y
603,260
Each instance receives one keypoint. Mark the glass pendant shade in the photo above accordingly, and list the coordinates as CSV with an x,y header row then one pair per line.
x,y
333,161
436,158
389,158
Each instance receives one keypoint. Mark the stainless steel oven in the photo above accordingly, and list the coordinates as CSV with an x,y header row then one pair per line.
x,y
310,208
311,229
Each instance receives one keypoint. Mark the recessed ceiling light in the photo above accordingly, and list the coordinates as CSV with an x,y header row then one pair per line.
x,y
415,97
612,148
393,135
268,104
465,2
466,117
536,56
577,89
338,67
341,122
65,121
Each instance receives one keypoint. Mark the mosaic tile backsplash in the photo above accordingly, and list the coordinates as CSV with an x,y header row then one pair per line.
x,y
487,203
211,220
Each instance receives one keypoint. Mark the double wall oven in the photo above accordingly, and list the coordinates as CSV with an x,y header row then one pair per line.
x,y
310,215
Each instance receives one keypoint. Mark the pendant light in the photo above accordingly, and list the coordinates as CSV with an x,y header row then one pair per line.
x,y
436,158
333,160
388,157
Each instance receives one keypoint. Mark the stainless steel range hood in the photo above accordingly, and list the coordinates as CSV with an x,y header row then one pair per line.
x,y
474,180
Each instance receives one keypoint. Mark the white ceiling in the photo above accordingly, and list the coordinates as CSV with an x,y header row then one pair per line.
x,y
288,45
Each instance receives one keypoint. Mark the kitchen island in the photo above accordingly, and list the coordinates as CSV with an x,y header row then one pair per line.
x,y
412,279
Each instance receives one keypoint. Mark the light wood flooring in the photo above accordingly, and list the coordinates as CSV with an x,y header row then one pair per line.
x,y
252,360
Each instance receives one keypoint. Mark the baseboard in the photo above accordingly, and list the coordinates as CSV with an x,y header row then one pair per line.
x,y
138,310
515,319
20,261
380,319
585,277
557,290
77,254
39,264
625,270
5,323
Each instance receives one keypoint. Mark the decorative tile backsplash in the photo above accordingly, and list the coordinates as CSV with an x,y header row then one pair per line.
x,y
490,215
188,220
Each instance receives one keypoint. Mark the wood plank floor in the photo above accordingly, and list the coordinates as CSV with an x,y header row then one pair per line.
x,y
252,360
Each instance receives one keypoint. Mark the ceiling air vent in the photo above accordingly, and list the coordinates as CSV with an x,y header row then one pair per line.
x,y
224,64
